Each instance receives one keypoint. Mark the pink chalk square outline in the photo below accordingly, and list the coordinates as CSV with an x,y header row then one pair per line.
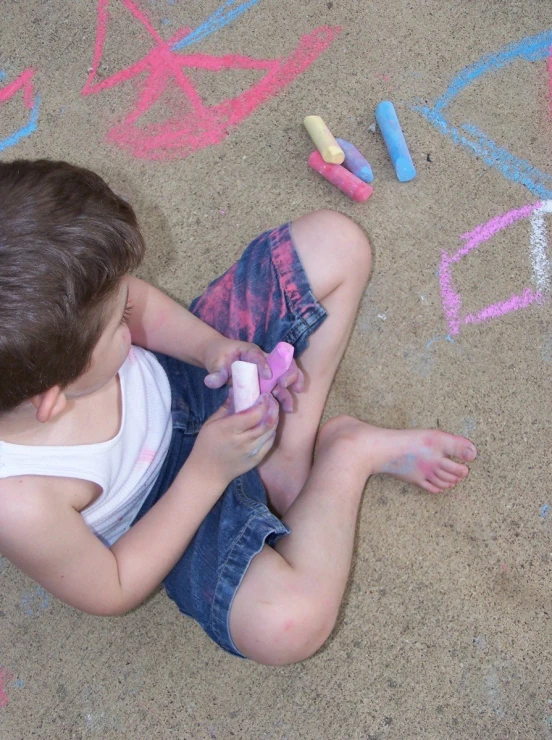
x,y
451,298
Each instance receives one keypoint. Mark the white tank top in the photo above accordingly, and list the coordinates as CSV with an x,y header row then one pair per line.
x,y
126,466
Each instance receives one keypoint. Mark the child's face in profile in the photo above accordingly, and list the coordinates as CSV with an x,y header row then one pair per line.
x,y
111,350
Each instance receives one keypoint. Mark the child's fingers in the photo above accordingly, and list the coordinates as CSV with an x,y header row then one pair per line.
x,y
255,355
263,444
284,397
221,413
298,385
262,410
216,379
293,378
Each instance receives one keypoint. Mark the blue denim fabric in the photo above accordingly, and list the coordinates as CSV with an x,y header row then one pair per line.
x,y
264,298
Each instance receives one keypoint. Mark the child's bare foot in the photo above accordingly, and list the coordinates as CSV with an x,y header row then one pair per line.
x,y
419,456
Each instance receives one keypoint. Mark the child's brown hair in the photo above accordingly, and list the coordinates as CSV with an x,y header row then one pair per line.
x,y
66,241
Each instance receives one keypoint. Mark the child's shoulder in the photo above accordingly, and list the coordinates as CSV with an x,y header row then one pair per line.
x,y
25,498
42,533
36,477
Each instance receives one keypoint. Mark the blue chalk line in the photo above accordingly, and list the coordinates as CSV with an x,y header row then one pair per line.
x,y
532,49
446,337
220,18
25,130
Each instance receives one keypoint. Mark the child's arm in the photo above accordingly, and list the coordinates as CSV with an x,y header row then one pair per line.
x,y
43,535
158,323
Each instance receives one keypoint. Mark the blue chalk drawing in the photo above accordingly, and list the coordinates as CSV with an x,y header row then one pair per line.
x,y
23,82
469,425
546,351
532,49
446,337
220,18
545,510
25,130
35,602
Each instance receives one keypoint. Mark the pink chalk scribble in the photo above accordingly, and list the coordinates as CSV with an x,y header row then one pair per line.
x,y
5,679
550,81
197,125
24,81
451,298
30,100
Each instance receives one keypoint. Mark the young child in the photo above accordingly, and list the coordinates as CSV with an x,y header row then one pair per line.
x,y
122,465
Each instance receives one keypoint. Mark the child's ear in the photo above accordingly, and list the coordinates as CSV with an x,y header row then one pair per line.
x,y
49,404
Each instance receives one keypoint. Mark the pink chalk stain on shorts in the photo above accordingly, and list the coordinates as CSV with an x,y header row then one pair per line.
x,y
450,296
186,131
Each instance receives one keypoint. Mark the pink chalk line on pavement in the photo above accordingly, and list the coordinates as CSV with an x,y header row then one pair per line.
x,y
550,81
450,296
193,125
6,677
30,100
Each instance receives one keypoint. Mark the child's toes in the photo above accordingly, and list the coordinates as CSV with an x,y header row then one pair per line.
x,y
461,448
450,466
446,477
431,487
440,481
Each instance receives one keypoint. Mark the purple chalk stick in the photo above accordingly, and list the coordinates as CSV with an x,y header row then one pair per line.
x,y
355,162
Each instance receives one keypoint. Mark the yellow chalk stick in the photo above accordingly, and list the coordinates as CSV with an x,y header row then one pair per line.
x,y
324,141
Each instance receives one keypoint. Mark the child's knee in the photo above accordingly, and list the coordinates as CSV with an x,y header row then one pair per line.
x,y
288,633
337,238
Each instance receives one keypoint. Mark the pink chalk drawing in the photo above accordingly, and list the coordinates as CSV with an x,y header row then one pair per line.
x,y
196,125
31,101
550,81
451,298
6,677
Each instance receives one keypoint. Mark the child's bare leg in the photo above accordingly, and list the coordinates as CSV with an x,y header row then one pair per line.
x,y
336,256
288,602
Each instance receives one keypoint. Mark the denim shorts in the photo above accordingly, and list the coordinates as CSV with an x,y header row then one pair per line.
x,y
264,298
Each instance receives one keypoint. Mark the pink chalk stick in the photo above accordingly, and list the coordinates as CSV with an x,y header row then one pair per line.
x,y
350,184
279,360
245,382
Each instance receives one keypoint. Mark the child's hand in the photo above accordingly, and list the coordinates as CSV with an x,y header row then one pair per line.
x,y
231,444
221,353
292,380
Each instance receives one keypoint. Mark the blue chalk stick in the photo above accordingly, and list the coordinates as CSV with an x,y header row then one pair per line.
x,y
355,162
390,128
